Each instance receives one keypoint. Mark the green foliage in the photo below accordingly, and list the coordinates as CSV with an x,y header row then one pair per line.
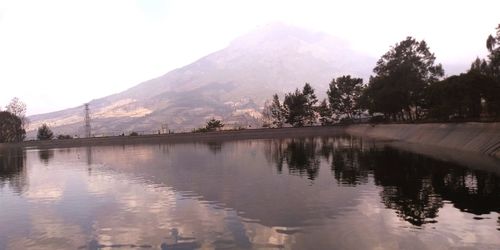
x,y
311,100
457,97
133,133
64,137
480,66
295,108
200,130
273,113
493,46
214,124
406,86
325,113
277,112
16,107
490,72
343,95
11,128
401,78
44,133
298,106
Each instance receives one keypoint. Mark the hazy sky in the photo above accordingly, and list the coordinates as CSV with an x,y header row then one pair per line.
x,y
60,54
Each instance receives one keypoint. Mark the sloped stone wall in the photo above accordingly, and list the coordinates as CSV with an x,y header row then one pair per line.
x,y
474,137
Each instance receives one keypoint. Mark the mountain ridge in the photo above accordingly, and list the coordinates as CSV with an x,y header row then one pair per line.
x,y
230,84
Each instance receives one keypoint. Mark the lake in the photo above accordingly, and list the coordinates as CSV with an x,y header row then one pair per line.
x,y
340,192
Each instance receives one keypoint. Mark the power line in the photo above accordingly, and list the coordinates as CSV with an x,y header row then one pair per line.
x,y
87,120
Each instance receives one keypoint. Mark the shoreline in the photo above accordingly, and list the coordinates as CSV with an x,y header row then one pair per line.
x,y
431,140
474,137
228,135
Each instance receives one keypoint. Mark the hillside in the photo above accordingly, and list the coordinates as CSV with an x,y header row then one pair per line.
x,y
231,84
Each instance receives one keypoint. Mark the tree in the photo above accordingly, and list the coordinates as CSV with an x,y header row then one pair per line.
x,y
490,71
214,124
401,78
311,100
295,105
489,87
343,95
266,114
325,113
17,108
44,133
11,129
298,107
458,96
480,66
493,71
64,137
493,46
277,112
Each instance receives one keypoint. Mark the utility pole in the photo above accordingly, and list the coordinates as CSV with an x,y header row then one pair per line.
x,y
164,128
87,120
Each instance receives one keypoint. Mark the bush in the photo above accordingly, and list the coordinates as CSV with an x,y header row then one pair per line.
x,y
377,119
11,128
64,137
133,134
200,130
44,133
213,125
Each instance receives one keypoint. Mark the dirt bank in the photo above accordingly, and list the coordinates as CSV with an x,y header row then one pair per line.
x,y
481,138
186,137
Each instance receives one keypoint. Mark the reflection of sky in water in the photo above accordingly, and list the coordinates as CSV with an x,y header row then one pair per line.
x,y
267,194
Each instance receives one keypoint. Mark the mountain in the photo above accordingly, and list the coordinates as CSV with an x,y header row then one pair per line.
x,y
231,84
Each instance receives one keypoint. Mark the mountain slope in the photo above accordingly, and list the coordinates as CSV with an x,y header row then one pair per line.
x,y
231,84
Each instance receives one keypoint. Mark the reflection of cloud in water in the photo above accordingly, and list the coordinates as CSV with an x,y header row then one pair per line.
x,y
48,231
47,192
184,196
152,211
229,178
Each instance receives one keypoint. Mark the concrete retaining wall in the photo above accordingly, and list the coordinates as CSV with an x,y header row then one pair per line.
x,y
474,137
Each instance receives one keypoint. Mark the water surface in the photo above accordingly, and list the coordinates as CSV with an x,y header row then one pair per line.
x,y
307,193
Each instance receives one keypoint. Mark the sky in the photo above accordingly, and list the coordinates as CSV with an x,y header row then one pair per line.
x,y
57,54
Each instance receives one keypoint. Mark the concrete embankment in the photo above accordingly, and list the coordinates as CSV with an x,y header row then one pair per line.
x,y
475,137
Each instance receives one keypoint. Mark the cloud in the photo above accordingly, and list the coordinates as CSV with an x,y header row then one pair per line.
x,y
59,54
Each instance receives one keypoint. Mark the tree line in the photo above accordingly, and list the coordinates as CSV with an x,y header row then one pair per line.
x,y
13,122
407,85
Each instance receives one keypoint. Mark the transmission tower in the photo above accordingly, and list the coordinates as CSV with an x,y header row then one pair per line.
x,y
87,120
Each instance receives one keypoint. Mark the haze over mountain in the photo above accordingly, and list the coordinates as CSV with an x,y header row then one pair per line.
x,y
231,84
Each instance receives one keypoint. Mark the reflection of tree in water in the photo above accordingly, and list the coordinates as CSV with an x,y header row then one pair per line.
x,y
413,185
274,152
299,155
214,146
475,192
301,158
12,169
408,184
345,164
426,182
45,155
